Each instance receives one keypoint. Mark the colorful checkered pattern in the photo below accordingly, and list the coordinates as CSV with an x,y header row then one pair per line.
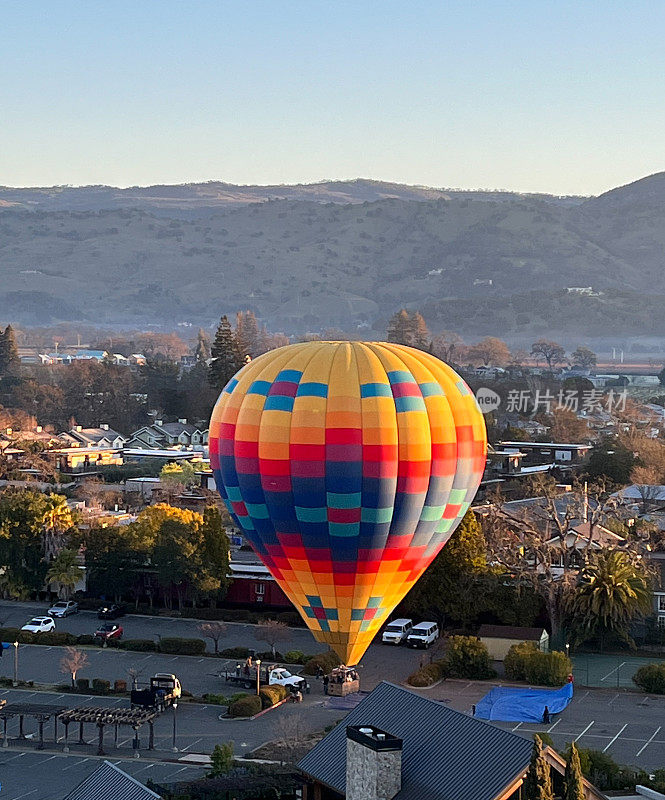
x,y
348,465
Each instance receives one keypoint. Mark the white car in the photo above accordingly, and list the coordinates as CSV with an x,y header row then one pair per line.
x,y
39,625
63,608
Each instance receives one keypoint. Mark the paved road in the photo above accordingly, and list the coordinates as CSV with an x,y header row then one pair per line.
x,y
198,675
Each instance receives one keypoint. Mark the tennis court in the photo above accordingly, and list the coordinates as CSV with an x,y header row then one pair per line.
x,y
608,671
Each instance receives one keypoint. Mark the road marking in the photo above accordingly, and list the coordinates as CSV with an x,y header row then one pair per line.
x,y
76,764
200,661
646,744
517,726
550,729
623,664
196,741
613,699
20,755
584,731
607,747
25,794
173,659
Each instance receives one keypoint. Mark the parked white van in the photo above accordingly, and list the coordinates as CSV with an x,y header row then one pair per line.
x,y
423,635
396,631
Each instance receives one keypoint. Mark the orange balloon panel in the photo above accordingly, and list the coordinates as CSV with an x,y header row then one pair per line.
x,y
347,465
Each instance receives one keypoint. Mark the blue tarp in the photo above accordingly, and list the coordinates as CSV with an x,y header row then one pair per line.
x,y
523,705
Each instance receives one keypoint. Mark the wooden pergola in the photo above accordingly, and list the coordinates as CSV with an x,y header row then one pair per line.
x,y
101,717
42,712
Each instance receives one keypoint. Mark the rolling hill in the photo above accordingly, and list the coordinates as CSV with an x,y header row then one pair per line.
x,y
343,254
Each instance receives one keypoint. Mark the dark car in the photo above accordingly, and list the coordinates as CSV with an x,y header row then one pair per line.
x,y
112,611
109,630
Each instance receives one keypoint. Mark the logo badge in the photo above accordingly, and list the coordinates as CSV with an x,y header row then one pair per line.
x,y
487,399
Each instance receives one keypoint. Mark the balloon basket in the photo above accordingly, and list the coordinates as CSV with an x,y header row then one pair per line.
x,y
342,681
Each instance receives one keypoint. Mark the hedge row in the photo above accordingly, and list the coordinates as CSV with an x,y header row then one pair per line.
x,y
525,662
246,706
327,661
428,675
271,695
170,645
651,678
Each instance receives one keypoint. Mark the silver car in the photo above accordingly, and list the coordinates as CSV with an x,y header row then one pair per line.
x,y
63,608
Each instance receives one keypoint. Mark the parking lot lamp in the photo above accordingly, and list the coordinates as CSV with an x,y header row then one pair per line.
x,y
258,675
15,663
175,708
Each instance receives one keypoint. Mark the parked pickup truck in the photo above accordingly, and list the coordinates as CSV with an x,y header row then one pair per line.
x,y
276,676
163,691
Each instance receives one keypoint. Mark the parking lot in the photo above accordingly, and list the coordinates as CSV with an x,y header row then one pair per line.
x,y
628,726
46,776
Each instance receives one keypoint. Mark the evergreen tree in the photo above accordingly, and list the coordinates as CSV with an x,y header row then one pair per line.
x,y
202,346
9,359
538,784
400,328
573,784
226,358
420,336
247,334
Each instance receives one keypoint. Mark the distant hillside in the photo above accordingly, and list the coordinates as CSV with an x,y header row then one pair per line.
x,y
343,254
196,199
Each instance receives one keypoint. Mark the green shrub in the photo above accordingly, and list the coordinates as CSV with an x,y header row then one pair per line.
x,y
429,674
548,669
238,696
116,644
651,678
119,686
9,635
5,682
294,657
327,661
215,699
515,662
183,647
467,657
101,686
57,638
246,706
271,695
83,684
87,638
291,618
235,652
141,645
268,658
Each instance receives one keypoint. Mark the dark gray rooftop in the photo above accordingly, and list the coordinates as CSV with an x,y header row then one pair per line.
x,y
446,755
108,782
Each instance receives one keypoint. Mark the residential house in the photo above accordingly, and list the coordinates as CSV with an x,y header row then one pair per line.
x,y
164,435
537,453
101,437
82,462
398,745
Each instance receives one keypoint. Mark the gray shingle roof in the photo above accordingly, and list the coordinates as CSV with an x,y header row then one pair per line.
x,y
108,782
446,755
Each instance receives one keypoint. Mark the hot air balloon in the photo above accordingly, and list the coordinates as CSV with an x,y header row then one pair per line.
x,y
347,465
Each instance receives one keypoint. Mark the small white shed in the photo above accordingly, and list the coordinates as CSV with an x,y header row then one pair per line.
x,y
500,638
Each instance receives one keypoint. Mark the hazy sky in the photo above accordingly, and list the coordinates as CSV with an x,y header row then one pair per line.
x,y
531,95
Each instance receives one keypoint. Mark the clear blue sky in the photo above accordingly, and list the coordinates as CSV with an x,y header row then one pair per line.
x,y
531,95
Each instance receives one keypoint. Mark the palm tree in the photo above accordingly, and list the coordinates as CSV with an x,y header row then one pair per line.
x,y
56,520
65,570
612,592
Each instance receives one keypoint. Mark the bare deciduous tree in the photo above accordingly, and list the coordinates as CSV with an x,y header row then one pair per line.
x,y
271,631
73,662
214,631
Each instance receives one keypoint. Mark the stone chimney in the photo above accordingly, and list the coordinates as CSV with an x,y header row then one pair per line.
x,y
373,763
183,421
78,428
104,426
159,422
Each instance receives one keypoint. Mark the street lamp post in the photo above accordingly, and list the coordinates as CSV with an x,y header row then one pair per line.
x,y
175,708
15,663
258,675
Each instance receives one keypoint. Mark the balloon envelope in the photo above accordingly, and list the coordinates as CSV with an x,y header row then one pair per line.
x,y
348,466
